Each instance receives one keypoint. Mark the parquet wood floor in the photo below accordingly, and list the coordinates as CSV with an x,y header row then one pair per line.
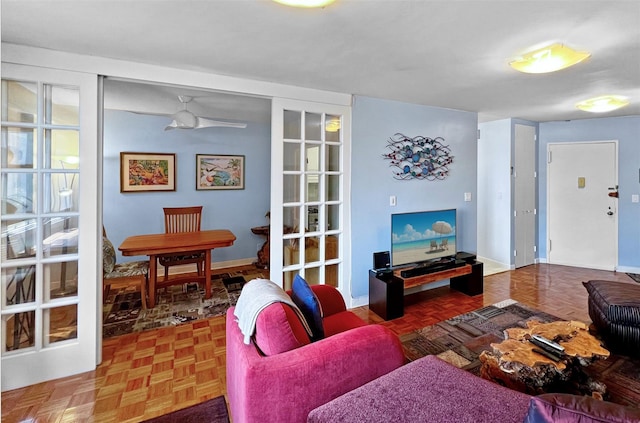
x,y
150,373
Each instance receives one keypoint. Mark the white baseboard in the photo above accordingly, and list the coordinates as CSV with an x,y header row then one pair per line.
x,y
628,269
359,301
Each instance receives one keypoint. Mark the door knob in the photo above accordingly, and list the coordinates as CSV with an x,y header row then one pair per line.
x,y
610,212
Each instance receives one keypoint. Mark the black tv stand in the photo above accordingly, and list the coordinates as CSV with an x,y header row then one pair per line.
x,y
386,289
432,267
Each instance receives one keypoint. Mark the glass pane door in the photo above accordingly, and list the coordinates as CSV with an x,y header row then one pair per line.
x,y
39,217
311,203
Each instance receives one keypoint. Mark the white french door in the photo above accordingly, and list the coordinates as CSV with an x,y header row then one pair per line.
x,y
310,193
49,242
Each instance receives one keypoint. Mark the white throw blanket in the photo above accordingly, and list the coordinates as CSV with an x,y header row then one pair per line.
x,y
255,296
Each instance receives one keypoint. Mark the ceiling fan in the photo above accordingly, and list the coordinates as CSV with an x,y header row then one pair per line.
x,y
184,119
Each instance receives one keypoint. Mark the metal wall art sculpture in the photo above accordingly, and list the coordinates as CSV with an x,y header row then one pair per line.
x,y
419,157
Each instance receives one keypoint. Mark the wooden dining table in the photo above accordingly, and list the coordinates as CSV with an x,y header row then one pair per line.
x,y
155,245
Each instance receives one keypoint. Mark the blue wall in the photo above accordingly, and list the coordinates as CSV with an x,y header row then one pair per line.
x,y
141,213
372,183
627,131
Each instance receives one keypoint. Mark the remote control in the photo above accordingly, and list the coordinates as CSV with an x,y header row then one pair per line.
x,y
546,348
548,342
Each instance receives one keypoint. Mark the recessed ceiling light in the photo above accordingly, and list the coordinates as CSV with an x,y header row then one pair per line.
x,y
305,3
551,58
603,104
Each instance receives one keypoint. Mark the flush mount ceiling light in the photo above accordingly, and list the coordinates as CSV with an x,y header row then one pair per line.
x,y
305,3
603,104
551,58
332,125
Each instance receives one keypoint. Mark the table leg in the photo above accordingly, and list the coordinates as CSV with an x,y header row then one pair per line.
x,y
207,274
153,278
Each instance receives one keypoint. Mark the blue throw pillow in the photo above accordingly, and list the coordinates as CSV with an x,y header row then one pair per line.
x,y
304,297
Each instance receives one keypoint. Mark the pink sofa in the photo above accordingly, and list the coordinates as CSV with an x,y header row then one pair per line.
x,y
281,376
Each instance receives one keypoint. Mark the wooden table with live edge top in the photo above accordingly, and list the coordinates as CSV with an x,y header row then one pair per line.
x,y
154,245
516,364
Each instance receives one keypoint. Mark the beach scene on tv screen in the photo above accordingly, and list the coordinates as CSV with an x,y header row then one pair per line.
x,y
423,236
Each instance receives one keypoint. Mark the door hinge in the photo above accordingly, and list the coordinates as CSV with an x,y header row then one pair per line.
x,y
515,253
535,211
478,134
548,156
549,245
535,248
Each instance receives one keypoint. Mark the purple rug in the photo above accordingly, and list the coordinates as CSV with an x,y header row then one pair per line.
x,y
213,411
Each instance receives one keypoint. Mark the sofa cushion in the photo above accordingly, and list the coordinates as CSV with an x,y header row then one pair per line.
x,y
425,390
303,296
279,329
340,322
108,255
579,409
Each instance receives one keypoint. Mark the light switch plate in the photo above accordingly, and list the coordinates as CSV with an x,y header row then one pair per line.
x,y
467,196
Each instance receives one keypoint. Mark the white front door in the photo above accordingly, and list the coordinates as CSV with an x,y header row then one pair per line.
x,y
582,227
49,242
524,174
310,192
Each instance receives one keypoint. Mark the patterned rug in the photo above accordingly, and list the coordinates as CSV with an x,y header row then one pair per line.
x,y
461,339
634,276
177,304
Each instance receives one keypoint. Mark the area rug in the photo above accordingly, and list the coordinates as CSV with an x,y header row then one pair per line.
x,y
461,339
175,305
213,410
634,276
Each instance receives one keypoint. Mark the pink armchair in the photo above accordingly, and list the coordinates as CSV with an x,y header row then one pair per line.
x,y
281,376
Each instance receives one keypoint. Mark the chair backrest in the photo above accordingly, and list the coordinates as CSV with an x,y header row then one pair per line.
x,y
182,219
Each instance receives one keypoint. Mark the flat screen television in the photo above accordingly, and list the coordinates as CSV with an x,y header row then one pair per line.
x,y
421,237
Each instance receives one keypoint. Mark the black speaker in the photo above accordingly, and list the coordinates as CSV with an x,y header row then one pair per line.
x,y
381,260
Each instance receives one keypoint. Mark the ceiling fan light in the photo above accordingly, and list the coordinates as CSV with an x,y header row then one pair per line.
x,y
547,59
603,104
305,3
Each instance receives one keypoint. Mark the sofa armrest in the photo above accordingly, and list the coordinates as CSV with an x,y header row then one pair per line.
x,y
286,387
330,299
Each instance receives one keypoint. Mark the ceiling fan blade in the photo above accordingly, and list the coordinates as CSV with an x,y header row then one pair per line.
x,y
172,125
209,123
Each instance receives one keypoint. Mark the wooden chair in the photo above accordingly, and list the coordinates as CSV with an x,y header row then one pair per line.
x,y
182,219
130,273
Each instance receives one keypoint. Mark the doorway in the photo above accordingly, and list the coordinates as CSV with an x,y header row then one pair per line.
x,y
582,227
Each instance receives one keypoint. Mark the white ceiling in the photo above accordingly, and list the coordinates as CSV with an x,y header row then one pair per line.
x,y
445,53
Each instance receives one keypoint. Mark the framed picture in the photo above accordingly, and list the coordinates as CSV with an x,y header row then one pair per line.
x,y
219,172
143,172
